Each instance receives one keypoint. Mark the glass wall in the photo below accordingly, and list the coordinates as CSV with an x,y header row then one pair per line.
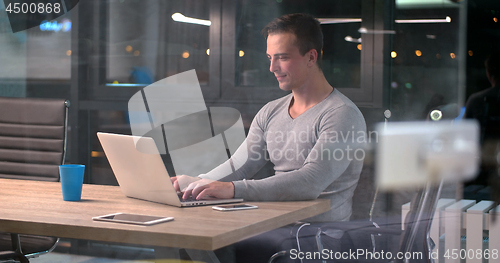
x,y
342,44
40,53
402,56
146,44
425,59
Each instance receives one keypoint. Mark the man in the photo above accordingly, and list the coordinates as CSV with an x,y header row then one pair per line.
x,y
484,106
308,134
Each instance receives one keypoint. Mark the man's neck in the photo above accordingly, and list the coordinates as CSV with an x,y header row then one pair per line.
x,y
312,93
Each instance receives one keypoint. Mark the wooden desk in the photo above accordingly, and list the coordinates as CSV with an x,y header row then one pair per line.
x,y
29,207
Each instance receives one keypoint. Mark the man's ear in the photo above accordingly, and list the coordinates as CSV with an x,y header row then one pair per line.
x,y
313,57
491,79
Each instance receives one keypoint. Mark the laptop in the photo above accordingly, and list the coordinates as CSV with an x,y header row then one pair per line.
x,y
142,174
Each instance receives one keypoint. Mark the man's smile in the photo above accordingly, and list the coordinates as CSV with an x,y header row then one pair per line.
x,y
280,77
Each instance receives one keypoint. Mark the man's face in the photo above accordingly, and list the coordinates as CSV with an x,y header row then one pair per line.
x,y
287,64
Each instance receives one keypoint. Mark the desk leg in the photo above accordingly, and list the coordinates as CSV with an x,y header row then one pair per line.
x,y
167,252
192,254
203,255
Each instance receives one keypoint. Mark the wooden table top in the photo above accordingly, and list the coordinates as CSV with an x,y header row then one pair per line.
x,y
32,207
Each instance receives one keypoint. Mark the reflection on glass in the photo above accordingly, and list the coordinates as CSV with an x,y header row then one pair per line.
x,y
150,40
424,65
341,56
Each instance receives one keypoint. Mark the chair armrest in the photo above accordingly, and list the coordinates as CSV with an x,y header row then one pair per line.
x,y
8,255
4,255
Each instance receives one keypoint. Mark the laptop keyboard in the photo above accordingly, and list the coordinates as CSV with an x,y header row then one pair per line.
x,y
189,199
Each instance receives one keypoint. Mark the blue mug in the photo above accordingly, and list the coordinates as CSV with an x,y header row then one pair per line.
x,y
71,181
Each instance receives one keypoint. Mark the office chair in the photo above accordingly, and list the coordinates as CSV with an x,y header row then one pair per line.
x,y
345,237
33,138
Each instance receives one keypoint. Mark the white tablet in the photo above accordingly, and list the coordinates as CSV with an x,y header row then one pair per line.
x,y
133,219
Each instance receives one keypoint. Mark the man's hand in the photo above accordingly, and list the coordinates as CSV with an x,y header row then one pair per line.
x,y
175,183
182,182
204,188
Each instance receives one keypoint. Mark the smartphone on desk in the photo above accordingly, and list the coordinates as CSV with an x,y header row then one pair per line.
x,y
135,219
234,207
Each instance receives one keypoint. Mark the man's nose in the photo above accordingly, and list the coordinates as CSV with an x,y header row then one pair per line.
x,y
273,67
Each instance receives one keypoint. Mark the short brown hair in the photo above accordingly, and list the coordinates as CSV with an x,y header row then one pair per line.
x,y
304,26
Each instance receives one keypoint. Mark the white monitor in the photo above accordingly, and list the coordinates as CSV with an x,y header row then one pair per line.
x,y
410,154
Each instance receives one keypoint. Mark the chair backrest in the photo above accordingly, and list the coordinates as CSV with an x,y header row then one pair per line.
x,y
415,237
32,138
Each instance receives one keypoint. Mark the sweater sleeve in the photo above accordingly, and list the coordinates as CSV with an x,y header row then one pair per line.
x,y
326,162
248,158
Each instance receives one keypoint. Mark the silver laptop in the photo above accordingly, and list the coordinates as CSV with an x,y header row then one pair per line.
x,y
142,174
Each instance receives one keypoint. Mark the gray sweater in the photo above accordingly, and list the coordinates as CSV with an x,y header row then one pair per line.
x,y
314,155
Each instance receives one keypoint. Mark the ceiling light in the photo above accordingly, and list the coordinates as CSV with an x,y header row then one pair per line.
x,y
421,4
423,21
178,17
354,40
338,20
363,30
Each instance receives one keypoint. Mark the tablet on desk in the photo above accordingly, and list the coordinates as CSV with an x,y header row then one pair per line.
x,y
144,220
